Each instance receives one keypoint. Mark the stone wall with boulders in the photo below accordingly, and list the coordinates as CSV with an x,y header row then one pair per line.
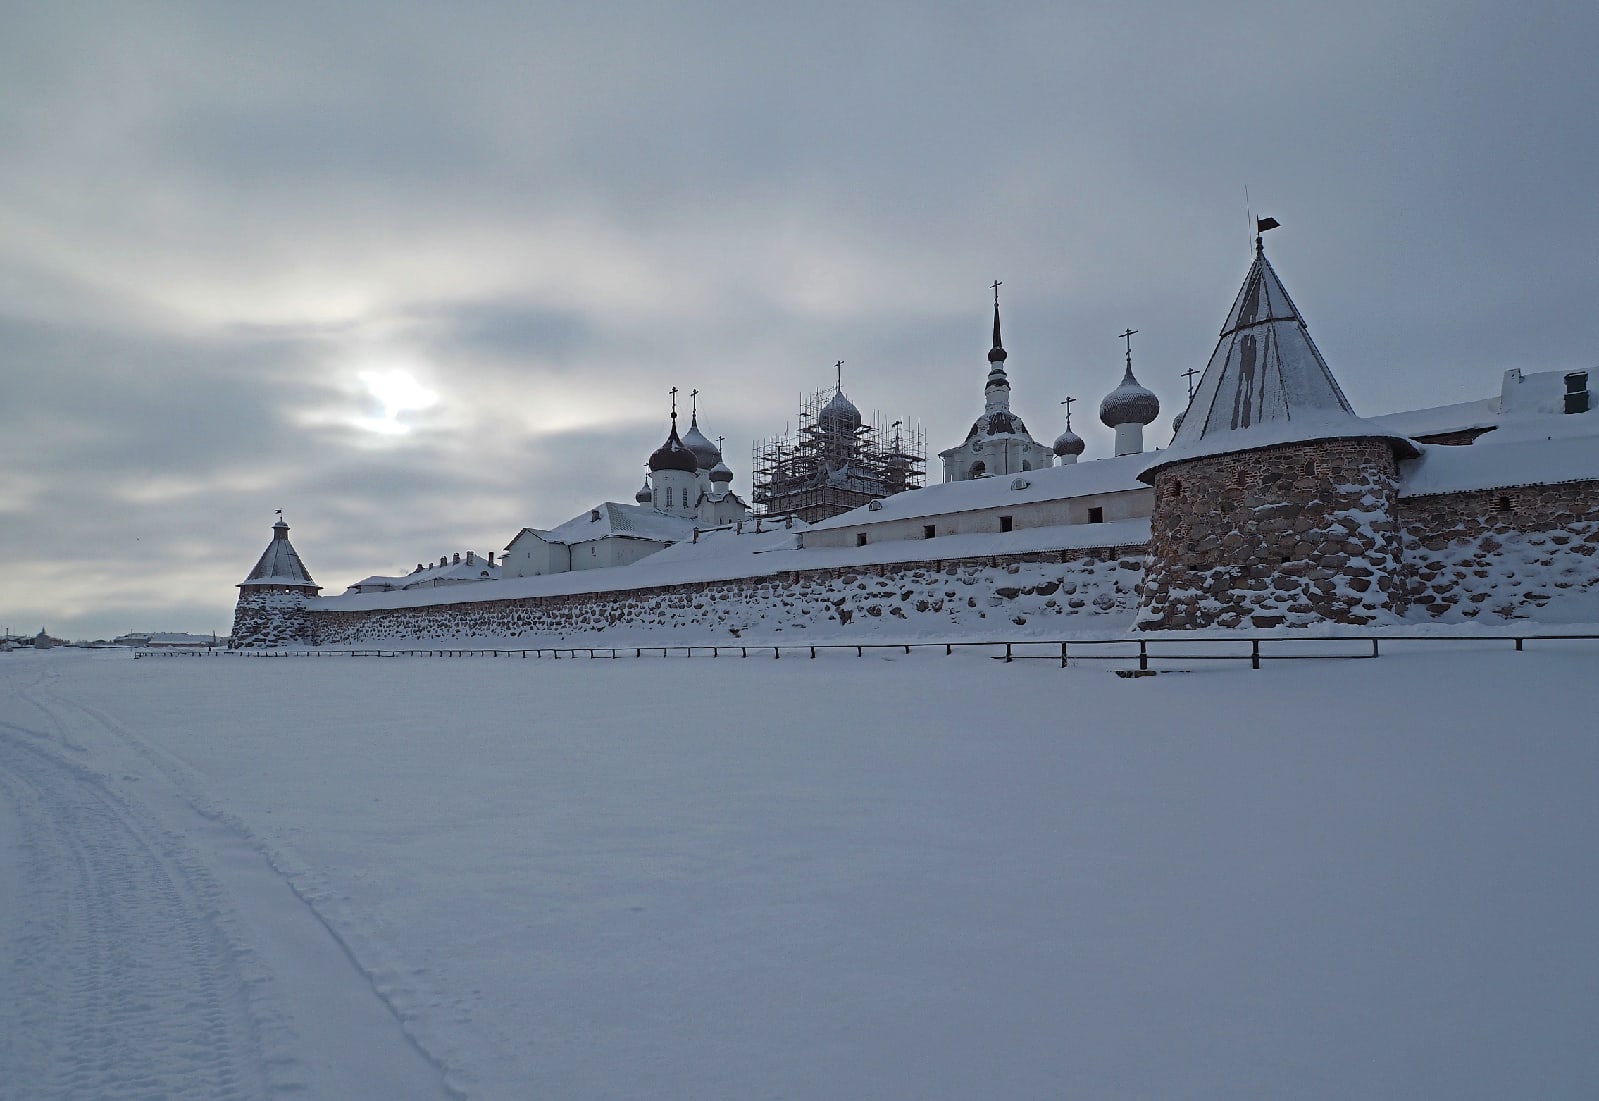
x,y
1502,553
1290,535
265,616
1034,592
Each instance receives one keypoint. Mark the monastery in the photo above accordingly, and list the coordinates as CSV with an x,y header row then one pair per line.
x,y
1275,506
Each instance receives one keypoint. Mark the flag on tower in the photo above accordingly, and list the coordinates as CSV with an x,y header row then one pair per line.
x,y
1263,224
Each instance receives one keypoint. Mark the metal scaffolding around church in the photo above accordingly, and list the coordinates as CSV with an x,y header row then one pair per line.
x,y
835,461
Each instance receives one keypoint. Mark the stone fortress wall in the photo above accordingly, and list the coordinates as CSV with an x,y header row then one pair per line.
x,y
1450,557
994,594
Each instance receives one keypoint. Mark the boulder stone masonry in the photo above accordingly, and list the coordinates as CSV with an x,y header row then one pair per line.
x,y
1287,535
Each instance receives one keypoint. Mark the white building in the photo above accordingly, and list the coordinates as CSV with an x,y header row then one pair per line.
x,y
689,490
998,443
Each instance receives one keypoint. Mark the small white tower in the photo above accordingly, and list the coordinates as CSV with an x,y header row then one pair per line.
x,y
1129,407
998,442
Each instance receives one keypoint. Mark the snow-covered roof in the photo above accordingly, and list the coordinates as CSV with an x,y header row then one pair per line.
x,y
1542,460
614,518
1051,483
279,564
478,569
1266,383
1459,417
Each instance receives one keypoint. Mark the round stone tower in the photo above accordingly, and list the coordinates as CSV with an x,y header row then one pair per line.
x,y
1274,504
272,600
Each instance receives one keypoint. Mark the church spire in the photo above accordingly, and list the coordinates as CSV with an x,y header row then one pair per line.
x,y
996,354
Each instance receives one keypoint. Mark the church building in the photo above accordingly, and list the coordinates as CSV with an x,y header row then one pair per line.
x,y
998,442
689,490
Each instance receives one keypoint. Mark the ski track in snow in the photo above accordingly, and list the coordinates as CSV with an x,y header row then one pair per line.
x,y
130,971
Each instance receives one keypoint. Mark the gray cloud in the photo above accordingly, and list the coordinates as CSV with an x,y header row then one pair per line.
x,y
215,220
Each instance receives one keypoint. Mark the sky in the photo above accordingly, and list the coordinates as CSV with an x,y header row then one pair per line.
x,y
422,275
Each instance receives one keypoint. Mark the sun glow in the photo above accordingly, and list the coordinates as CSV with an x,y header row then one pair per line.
x,y
398,392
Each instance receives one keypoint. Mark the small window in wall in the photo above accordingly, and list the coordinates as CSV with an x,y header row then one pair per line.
x,y
979,468
1174,488
1026,465
860,539
927,531
1577,392
1096,515
1005,523
1502,503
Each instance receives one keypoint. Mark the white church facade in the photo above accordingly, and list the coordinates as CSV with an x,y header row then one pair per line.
x,y
689,490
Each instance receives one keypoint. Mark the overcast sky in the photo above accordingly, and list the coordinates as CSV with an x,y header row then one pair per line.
x,y
243,245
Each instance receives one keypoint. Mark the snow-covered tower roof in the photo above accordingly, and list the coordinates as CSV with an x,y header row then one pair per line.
x,y
279,564
1266,382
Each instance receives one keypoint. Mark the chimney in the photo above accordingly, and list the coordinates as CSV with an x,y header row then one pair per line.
x,y
491,558
457,561
471,558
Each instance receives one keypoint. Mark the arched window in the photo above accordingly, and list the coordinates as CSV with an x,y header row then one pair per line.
x,y
1026,465
979,468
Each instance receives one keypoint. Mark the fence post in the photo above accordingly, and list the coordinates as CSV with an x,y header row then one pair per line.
x,y
1143,654
743,651
1373,647
1254,653
1518,645
1007,653
1063,655
948,649
775,655
857,651
813,651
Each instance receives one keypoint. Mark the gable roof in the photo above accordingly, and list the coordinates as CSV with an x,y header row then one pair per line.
x,y
612,518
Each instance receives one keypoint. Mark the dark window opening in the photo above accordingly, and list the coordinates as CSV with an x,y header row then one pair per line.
x,y
1502,504
1577,392
927,531
1004,523
860,539
1096,515
1175,488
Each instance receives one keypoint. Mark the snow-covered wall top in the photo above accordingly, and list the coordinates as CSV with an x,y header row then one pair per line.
x,y
724,555
1047,484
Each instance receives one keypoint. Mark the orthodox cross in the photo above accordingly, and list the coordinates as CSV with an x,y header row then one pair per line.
x,y
1189,375
719,442
839,367
674,403
997,284
1068,404
694,406
1128,336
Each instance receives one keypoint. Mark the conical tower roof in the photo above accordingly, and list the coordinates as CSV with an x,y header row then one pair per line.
x,y
1266,382
279,564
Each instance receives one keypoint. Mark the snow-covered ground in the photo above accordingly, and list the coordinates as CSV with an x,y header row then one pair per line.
x,y
886,877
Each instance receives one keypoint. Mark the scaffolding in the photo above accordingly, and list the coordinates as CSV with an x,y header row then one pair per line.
x,y
834,462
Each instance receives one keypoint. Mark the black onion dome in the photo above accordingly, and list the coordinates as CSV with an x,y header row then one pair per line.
x,y
721,473
1129,403
674,454
1069,443
644,496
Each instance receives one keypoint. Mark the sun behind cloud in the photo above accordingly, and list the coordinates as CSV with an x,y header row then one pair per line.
x,y
398,392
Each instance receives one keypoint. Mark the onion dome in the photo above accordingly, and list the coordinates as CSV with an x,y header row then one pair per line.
x,y
1177,422
673,454
1068,443
706,454
1129,403
839,415
644,496
721,474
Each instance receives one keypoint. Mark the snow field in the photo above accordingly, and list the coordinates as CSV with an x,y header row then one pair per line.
x,y
889,877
